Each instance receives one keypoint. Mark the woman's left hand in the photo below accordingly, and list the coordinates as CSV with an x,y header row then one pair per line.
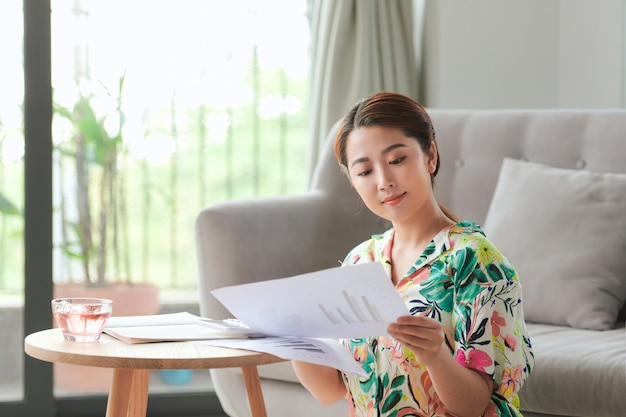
x,y
423,335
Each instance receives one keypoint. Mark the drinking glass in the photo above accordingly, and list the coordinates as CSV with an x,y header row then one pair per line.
x,y
81,319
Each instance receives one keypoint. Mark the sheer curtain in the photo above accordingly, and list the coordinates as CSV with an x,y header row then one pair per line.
x,y
358,47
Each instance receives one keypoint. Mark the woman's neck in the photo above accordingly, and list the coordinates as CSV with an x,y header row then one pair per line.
x,y
410,240
418,233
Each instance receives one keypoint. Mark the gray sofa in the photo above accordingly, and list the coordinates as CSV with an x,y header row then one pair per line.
x,y
579,342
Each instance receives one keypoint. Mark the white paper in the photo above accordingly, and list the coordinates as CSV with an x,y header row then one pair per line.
x,y
168,327
344,302
153,320
327,352
173,326
167,333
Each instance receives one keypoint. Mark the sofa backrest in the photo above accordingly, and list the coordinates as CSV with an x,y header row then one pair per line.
x,y
473,143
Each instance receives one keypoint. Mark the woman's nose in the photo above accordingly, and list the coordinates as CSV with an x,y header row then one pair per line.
x,y
385,181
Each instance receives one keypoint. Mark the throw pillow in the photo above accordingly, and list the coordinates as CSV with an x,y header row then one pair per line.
x,y
565,233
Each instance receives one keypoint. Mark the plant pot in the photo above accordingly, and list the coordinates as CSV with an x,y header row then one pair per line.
x,y
128,300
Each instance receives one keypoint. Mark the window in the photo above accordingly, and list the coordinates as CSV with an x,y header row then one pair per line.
x,y
11,199
214,106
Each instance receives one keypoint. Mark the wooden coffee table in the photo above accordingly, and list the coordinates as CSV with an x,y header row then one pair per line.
x,y
128,395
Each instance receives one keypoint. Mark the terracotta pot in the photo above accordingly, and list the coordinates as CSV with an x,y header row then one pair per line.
x,y
128,300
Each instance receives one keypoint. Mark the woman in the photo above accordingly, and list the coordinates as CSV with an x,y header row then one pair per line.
x,y
464,350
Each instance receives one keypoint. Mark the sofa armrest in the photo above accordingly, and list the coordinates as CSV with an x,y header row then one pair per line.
x,y
244,241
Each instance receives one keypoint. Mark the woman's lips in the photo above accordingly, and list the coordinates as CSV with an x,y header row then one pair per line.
x,y
393,200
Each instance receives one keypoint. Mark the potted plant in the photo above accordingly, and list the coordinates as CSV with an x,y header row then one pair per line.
x,y
92,210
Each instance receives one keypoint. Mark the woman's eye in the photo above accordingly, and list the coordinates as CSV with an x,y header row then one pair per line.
x,y
364,173
397,160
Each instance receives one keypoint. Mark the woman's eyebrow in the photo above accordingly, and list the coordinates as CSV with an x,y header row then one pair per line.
x,y
392,147
384,151
359,160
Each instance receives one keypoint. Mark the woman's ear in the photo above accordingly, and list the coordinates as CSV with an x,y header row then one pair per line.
x,y
433,156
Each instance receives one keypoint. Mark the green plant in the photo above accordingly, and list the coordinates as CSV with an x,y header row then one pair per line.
x,y
95,153
7,207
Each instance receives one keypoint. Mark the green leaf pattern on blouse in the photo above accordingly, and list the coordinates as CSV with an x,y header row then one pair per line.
x,y
465,283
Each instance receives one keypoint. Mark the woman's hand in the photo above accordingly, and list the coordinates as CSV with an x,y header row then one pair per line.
x,y
463,391
423,335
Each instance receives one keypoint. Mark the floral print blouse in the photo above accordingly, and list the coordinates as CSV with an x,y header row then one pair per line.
x,y
462,281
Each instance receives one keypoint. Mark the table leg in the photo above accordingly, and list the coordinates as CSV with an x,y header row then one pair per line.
x,y
128,396
255,394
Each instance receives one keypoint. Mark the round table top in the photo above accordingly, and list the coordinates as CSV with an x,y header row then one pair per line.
x,y
49,345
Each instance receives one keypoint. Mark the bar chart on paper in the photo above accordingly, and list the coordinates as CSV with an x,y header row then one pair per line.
x,y
344,302
358,310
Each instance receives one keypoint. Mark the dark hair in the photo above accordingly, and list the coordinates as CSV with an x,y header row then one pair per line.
x,y
393,110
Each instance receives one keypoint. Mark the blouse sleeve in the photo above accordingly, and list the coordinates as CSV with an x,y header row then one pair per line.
x,y
490,332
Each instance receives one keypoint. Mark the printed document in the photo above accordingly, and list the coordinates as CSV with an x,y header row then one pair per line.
x,y
301,316
343,302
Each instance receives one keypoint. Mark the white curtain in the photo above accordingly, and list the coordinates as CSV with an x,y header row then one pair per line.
x,y
358,47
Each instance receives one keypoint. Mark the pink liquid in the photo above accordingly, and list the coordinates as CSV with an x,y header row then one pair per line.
x,y
82,327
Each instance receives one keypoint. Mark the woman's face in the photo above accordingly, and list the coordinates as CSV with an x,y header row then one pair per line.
x,y
390,172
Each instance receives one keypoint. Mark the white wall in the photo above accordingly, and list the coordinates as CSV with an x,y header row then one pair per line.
x,y
524,53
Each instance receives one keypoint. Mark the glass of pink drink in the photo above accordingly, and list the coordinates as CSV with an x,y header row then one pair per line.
x,y
81,319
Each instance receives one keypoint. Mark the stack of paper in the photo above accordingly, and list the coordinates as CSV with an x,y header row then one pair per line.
x,y
170,328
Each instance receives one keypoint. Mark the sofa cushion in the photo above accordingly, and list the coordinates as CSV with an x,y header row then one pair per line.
x,y
565,233
577,372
